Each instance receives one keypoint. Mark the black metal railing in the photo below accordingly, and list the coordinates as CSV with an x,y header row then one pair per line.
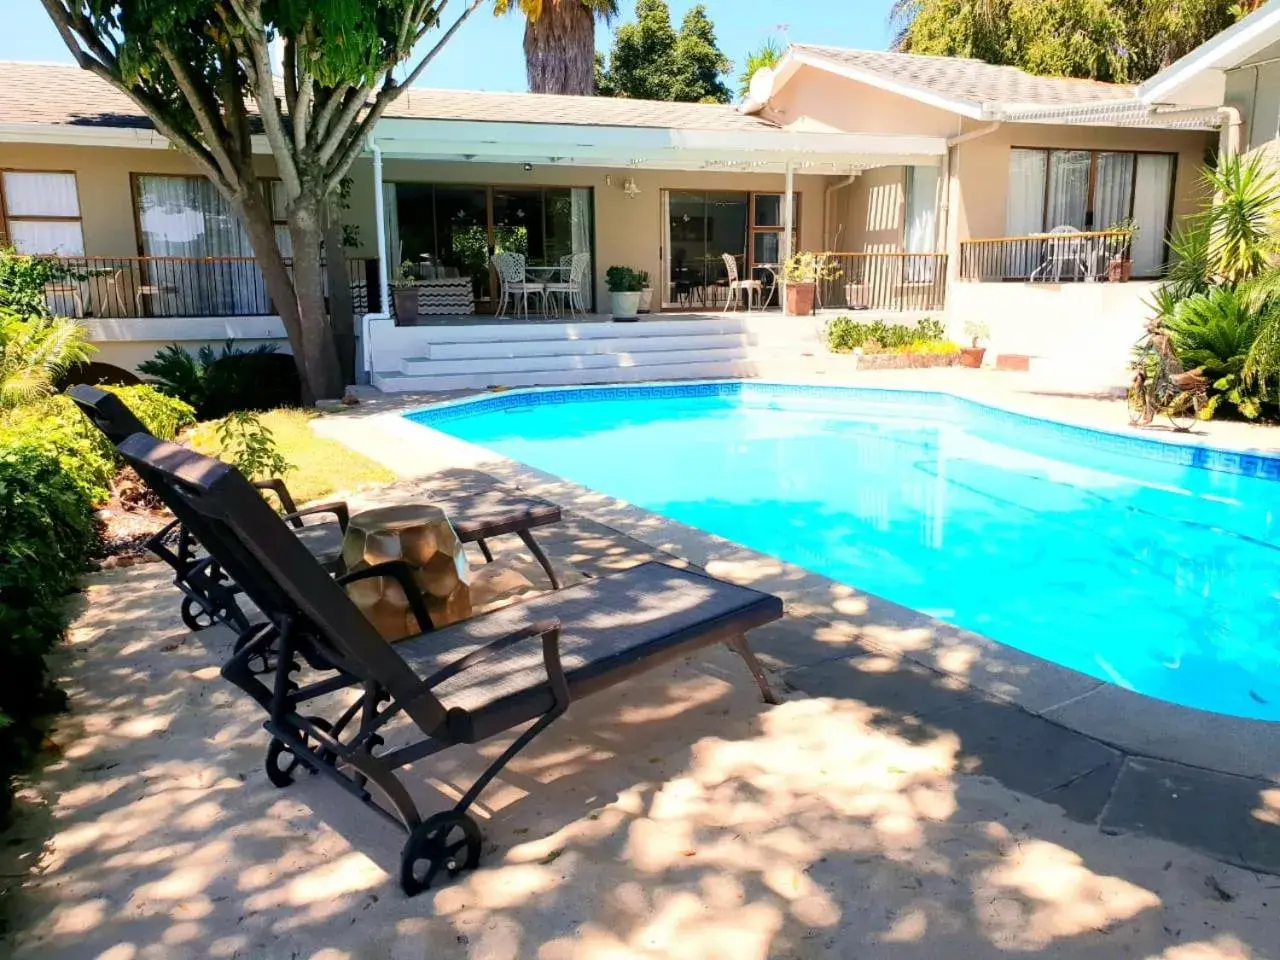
x,y
176,287
884,281
1066,257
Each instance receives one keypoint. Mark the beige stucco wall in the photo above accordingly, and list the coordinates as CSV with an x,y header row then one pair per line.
x,y
628,232
980,167
816,100
868,215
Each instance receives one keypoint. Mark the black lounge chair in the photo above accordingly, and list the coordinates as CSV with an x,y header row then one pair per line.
x,y
209,596
523,664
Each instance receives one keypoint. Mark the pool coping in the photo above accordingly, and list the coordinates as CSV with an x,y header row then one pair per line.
x,y
859,623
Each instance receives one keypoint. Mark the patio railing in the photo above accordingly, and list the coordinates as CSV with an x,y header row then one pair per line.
x,y
1047,257
174,287
885,281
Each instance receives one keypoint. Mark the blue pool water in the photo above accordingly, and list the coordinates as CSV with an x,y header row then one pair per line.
x,y
1104,553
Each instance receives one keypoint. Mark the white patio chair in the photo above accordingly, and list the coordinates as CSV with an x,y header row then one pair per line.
x,y
515,283
753,288
571,288
1063,250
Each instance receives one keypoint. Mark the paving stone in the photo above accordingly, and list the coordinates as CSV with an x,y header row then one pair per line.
x,y
1085,798
799,642
1234,819
895,685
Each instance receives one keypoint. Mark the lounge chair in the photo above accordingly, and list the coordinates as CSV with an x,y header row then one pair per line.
x,y
523,664
209,596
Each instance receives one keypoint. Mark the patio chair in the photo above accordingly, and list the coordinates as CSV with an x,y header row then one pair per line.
x,y
209,594
570,290
753,288
515,283
522,665
1064,250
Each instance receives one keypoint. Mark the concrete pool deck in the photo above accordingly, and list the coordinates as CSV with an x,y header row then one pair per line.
x,y
1111,753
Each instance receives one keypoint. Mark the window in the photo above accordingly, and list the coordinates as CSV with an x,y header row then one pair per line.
x,y
42,212
766,226
920,231
280,216
1093,190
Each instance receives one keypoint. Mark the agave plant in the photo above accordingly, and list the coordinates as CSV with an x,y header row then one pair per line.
x,y
34,352
1214,332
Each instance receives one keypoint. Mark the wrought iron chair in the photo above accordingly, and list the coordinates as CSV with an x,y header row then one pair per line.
x,y
515,283
519,666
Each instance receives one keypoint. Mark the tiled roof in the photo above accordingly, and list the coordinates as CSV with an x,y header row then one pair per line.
x,y
972,81
65,94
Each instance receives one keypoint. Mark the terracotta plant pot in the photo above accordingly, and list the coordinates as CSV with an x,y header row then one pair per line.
x,y
625,305
800,298
406,301
1120,271
972,356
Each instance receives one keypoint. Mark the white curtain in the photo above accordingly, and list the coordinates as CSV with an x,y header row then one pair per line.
x,y
186,217
1152,190
1024,215
1068,188
922,220
580,227
1113,190
43,195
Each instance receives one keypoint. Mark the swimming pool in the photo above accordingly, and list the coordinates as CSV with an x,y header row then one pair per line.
x,y
1154,566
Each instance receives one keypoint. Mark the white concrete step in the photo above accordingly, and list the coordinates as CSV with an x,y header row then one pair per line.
x,y
391,382
550,348
574,361
517,332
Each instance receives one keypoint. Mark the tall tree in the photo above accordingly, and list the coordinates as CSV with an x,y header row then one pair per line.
x,y
767,54
201,70
560,42
650,60
1114,40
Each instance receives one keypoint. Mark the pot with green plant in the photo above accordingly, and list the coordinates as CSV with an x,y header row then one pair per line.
x,y
971,356
1120,250
625,289
800,276
404,286
646,292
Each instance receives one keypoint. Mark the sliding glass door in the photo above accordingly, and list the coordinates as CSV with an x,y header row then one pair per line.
x,y
458,228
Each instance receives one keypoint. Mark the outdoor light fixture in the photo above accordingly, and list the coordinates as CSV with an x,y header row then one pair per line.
x,y
528,168
630,189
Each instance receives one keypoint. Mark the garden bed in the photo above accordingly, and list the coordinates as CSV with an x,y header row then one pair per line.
x,y
906,361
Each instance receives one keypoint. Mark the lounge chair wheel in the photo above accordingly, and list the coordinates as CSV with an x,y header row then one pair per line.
x,y
281,774
196,615
448,842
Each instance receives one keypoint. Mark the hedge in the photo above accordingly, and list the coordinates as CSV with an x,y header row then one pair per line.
x,y
54,468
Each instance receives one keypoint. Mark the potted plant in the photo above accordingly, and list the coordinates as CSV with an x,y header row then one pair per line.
x,y
971,356
404,286
646,292
800,276
625,289
1120,263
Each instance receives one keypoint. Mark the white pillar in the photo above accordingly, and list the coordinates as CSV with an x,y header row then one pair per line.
x,y
788,204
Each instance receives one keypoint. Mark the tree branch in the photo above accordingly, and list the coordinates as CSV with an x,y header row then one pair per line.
x,y
390,91
253,49
328,107
289,67
300,112
205,110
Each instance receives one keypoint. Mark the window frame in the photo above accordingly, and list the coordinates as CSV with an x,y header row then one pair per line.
x,y
779,230
1093,180
7,221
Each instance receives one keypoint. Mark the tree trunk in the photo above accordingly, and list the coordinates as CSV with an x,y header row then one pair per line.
x,y
341,315
256,218
559,49
320,358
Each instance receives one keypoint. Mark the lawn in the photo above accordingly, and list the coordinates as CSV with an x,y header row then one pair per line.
x,y
320,467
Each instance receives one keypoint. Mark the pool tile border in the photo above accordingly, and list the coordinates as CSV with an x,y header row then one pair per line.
x,y
1188,453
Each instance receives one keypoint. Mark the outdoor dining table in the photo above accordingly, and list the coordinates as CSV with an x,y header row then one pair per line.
x,y
543,273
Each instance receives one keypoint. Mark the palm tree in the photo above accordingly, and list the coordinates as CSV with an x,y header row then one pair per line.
x,y
560,42
766,55
34,352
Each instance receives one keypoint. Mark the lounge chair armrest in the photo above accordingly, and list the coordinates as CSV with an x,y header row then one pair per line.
x,y
337,507
276,486
548,630
402,573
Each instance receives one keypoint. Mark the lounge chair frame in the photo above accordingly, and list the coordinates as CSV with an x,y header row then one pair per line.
x,y
318,643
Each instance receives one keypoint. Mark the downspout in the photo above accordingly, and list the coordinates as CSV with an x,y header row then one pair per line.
x,y
384,313
826,206
1229,139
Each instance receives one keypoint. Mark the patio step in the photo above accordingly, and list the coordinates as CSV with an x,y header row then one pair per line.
x,y
394,382
506,349
590,360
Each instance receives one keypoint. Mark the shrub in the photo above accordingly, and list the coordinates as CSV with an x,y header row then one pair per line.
x,y
845,334
1213,332
23,279
248,445
34,351
623,280
54,466
216,383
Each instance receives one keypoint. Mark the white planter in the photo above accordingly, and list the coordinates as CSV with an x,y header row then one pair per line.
x,y
646,300
626,306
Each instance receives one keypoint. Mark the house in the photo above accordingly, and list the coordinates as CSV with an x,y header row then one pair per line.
x,y
931,181
1238,72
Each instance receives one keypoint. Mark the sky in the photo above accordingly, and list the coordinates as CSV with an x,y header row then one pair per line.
x,y
486,54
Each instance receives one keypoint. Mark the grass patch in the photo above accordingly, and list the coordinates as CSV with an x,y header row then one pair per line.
x,y
321,466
